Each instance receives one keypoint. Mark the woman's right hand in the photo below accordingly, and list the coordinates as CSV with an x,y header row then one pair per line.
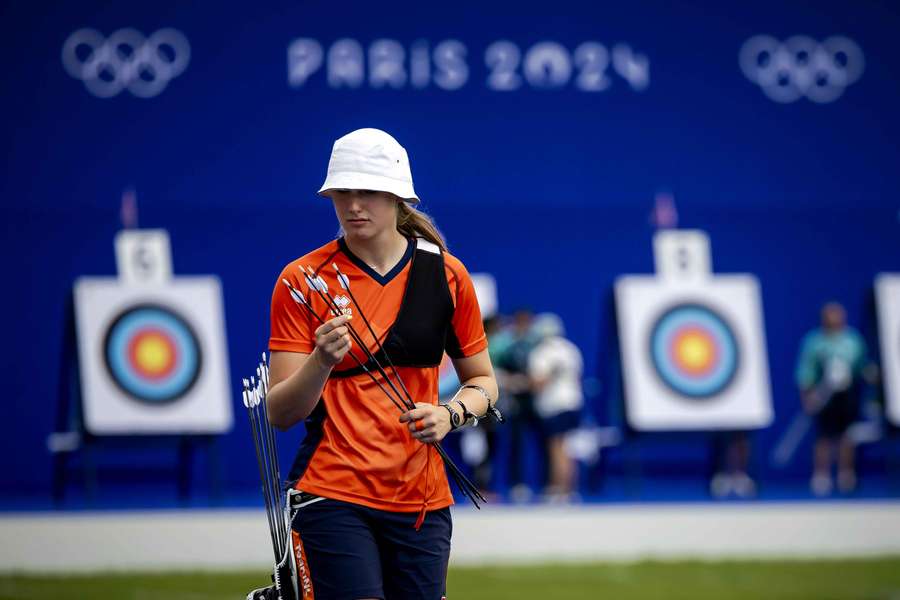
x,y
333,341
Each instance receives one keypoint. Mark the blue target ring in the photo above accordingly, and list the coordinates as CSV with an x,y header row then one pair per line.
x,y
152,354
694,351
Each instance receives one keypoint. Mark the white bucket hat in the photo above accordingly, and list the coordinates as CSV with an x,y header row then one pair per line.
x,y
370,159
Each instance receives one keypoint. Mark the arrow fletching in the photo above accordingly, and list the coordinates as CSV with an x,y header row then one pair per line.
x,y
315,281
245,394
295,294
342,279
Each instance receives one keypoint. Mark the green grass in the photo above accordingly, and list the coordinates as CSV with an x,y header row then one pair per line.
x,y
819,580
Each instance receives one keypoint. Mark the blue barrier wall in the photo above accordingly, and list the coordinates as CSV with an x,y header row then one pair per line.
x,y
547,185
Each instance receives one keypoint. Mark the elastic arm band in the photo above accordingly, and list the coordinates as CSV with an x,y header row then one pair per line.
x,y
491,410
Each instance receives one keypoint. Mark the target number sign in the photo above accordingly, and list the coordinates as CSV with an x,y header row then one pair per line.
x,y
144,256
153,357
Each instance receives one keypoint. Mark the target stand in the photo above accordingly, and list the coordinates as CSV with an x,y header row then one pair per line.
x,y
145,374
692,346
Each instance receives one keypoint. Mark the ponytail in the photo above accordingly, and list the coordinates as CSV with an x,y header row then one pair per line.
x,y
413,223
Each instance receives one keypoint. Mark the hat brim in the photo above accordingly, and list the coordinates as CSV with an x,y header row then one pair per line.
x,y
367,181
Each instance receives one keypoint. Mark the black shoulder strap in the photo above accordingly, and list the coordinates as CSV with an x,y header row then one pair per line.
x,y
418,336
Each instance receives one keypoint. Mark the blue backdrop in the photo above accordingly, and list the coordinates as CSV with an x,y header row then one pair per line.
x,y
548,185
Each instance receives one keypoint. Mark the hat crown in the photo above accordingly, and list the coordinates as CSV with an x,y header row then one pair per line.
x,y
370,159
370,151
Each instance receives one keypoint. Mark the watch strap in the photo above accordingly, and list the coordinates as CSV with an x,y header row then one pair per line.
x,y
468,418
453,417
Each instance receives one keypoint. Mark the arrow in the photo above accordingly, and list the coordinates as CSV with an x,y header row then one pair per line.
x,y
342,279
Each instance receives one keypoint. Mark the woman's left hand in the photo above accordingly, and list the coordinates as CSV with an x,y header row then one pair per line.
x,y
428,423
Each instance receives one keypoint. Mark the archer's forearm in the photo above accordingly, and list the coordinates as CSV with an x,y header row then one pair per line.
x,y
293,399
474,399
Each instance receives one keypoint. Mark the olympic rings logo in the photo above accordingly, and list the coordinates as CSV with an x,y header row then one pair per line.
x,y
802,67
126,60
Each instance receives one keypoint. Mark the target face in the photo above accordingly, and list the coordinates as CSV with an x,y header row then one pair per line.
x,y
152,354
887,297
693,351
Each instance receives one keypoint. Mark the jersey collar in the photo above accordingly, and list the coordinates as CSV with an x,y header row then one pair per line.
x,y
381,279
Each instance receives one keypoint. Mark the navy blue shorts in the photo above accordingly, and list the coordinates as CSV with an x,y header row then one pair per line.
x,y
563,422
354,552
837,415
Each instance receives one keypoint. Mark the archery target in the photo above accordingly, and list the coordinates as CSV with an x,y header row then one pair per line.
x,y
693,353
152,354
887,299
486,293
153,357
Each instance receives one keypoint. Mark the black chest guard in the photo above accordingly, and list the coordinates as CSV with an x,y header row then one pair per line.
x,y
422,331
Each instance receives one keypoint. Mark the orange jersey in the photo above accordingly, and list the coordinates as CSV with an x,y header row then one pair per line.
x,y
356,449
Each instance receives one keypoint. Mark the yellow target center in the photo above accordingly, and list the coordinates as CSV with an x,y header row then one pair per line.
x,y
695,352
153,354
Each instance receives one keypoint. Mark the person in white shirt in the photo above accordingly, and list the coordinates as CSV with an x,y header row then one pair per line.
x,y
555,366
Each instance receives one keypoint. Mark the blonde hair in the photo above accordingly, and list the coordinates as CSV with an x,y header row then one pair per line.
x,y
414,223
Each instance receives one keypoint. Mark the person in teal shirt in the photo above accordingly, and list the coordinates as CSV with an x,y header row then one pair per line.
x,y
830,368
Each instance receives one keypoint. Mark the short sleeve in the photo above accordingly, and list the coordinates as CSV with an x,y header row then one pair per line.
x,y
466,337
806,372
291,329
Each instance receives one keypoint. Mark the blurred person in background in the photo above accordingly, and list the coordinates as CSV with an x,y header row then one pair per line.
x,y
830,370
731,460
374,518
555,366
521,414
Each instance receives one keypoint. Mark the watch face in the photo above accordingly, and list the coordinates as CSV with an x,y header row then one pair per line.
x,y
456,419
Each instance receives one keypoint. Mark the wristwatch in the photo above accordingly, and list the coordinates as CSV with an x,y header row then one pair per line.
x,y
467,418
456,421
